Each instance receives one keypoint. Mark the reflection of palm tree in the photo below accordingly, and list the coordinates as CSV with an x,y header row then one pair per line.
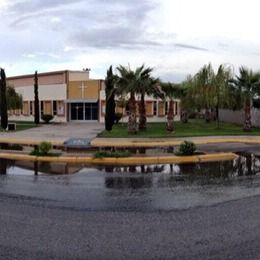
x,y
3,167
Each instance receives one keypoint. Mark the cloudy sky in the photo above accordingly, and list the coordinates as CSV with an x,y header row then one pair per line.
x,y
175,37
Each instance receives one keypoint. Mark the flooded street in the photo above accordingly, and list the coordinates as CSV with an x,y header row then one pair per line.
x,y
134,188
193,211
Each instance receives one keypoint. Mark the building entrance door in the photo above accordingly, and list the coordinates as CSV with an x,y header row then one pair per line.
x,y
84,111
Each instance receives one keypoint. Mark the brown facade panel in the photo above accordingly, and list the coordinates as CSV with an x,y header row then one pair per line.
x,y
47,107
149,108
26,108
83,89
161,111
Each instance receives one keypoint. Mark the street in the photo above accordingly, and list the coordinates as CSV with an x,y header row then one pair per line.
x,y
86,216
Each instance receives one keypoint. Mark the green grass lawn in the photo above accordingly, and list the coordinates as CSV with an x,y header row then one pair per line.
x,y
22,125
193,128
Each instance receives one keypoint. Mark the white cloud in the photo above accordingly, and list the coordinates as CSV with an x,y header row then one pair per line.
x,y
176,37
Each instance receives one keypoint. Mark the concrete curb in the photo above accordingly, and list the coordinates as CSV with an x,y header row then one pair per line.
x,y
124,161
164,142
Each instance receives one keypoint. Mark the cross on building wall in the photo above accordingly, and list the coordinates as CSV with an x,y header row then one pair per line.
x,y
82,87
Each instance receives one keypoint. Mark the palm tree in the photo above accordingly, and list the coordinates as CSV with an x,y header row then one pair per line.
x,y
170,90
133,82
147,85
127,82
247,83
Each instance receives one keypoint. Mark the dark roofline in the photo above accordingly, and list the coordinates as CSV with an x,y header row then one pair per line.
x,y
43,74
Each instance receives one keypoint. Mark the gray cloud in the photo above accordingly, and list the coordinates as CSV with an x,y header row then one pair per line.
x,y
187,46
28,6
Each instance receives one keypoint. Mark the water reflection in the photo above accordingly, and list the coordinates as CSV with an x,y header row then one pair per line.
x,y
5,165
128,182
244,165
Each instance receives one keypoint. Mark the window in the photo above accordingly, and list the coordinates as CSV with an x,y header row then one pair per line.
x,y
166,108
155,108
42,108
31,108
54,107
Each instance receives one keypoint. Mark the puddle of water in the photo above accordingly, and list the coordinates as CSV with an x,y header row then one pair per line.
x,y
244,165
133,187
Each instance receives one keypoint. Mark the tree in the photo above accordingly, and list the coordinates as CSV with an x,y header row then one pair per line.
x,y
221,82
3,101
110,99
36,100
247,83
133,82
127,83
14,100
146,85
170,91
203,90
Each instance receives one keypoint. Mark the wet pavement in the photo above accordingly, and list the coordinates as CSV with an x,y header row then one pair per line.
x,y
203,211
147,188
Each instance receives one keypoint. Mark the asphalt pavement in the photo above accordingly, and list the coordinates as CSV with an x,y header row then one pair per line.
x,y
108,214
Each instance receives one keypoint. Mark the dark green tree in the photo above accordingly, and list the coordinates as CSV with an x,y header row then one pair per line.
x,y
110,99
3,101
36,100
14,100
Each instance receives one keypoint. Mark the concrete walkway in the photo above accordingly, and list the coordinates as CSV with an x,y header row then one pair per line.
x,y
55,133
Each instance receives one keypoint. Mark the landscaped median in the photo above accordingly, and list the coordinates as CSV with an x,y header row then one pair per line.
x,y
134,160
166,142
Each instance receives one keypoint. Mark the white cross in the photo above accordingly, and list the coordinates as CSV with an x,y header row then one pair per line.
x,y
82,87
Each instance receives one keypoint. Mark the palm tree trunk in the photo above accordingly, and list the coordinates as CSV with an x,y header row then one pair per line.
x,y
170,117
132,115
142,114
247,123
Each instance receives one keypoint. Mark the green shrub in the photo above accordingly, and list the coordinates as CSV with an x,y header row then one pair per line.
x,y
43,149
187,148
118,117
47,118
115,154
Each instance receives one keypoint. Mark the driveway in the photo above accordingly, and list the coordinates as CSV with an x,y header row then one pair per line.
x,y
57,132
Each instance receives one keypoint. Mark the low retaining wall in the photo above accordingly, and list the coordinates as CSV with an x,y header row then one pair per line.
x,y
124,161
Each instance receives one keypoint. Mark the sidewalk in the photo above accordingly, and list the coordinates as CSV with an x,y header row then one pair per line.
x,y
57,134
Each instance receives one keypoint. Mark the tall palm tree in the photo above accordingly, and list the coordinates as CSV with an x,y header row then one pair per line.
x,y
248,84
138,81
147,85
127,82
170,90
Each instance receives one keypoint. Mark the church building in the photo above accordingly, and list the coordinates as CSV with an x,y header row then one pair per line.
x,y
71,96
